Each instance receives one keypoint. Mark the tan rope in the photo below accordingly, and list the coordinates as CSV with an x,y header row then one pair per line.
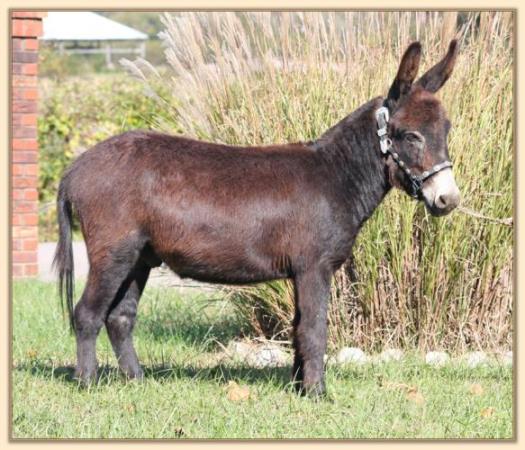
x,y
508,221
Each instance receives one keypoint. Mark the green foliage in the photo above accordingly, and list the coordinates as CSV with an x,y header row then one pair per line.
x,y
59,66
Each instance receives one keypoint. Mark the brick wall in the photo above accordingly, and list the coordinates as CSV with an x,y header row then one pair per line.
x,y
26,27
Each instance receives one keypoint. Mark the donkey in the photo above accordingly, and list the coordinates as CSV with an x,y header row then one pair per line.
x,y
238,215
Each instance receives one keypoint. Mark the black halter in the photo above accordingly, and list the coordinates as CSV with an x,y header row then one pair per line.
x,y
416,181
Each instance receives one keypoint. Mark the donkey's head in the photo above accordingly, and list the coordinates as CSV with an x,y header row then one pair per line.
x,y
418,127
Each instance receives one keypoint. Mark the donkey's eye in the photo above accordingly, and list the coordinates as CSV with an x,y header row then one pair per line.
x,y
414,137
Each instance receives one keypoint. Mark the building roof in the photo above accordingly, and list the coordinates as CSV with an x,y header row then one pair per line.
x,y
86,26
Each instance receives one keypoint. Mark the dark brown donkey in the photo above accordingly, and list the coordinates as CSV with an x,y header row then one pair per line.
x,y
227,214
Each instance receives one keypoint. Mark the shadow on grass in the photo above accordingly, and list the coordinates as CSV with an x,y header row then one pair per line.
x,y
220,373
200,322
193,332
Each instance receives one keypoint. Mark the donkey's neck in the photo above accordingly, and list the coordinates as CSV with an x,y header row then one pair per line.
x,y
352,154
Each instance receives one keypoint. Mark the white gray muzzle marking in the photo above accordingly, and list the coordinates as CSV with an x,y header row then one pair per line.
x,y
441,193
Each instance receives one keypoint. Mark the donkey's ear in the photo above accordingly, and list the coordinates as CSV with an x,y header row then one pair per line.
x,y
406,73
439,74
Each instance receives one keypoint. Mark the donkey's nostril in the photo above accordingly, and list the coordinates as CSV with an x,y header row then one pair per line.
x,y
442,201
447,201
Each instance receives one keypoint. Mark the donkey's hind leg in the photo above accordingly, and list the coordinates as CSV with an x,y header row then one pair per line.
x,y
105,279
121,320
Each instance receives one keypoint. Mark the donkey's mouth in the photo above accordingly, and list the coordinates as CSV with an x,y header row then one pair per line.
x,y
442,204
438,212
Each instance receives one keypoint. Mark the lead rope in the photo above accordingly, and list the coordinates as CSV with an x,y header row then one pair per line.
x,y
416,181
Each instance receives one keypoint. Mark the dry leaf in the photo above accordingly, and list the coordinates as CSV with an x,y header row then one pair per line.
x,y
411,391
130,408
487,412
476,389
416,397
31,354
236,393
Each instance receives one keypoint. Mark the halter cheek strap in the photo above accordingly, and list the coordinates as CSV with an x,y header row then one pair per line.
x,y
416,181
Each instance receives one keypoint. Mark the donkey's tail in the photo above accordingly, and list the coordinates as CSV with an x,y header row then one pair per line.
x,y
63,261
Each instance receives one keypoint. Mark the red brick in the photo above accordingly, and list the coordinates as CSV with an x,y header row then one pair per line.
x,y
16,221
26,27
25,106
31,44
24,92
17,27
31,194
24,156
31,219
29,119
30,270
30,94
23,207
20,207
25,144
29,68
18,270
16,68
16,119
30,245
24,132
22,232
24,257
26,220
31,169
17,245
25,170
29,14
17,169
17,194
24,182
18,44
25,57
34,28
22,80
24,194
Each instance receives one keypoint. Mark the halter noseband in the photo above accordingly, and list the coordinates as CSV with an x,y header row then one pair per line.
x,y
416,181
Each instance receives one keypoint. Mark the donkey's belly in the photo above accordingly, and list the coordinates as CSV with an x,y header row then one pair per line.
x,y
208,241
225,267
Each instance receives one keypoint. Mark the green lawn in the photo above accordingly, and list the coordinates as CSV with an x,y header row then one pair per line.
x,y
185,394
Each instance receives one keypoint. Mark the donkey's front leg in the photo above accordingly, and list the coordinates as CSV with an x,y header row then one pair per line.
x,y
312,290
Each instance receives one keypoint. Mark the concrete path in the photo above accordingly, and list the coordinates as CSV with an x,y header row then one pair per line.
x,y
161,276
46,253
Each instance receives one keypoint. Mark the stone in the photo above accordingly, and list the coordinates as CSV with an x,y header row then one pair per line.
x,y
476,359
267,355
351,355
506,358
436,359
239,351
391,354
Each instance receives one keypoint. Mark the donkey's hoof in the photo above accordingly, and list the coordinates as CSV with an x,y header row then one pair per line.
x,y
133,375
316,391
85,379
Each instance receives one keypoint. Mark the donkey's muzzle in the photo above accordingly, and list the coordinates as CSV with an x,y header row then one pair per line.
x,y
445,203
441,194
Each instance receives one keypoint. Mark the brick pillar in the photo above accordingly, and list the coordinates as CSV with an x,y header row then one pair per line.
x,y
26,27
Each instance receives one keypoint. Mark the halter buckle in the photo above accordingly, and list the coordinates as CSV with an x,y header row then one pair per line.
x,y
382,118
